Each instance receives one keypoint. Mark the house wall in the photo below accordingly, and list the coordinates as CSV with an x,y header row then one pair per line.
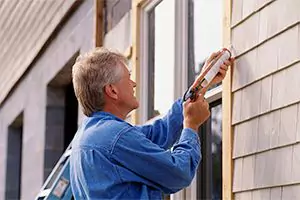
x,y
266,95
25,28
29,96
119,37
115,10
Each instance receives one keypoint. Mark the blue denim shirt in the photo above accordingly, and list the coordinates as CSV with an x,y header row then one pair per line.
x,y
112,159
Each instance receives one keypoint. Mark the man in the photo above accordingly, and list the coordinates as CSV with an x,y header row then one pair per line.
x,y
111,159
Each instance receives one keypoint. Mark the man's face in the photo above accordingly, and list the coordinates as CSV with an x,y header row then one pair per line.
x,y
126,87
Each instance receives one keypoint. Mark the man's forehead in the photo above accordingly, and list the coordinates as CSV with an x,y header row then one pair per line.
x,y
126,67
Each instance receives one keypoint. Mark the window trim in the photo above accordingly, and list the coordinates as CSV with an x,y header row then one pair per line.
x,y
227,129
214,94
180,53
144,58
137,6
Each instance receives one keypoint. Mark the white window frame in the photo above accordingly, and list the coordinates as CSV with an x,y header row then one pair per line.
x,y
214,94
180,54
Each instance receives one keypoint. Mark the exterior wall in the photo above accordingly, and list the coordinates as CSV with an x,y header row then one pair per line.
x,y
266,96
115,10
30,94
25,28
119,37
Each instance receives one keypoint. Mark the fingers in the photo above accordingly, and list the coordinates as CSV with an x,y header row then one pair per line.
x,y
227,63
212,56
224,67
202,100
203,90
222,72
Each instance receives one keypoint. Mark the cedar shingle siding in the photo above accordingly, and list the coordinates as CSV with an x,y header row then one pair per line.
x,y
266,96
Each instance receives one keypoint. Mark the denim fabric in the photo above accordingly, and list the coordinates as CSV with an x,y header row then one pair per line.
x,y
112,159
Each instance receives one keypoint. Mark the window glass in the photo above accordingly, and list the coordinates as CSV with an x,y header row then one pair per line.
x,y
161,58
205,32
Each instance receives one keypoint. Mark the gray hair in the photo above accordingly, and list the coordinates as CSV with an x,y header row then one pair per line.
x,y
91,72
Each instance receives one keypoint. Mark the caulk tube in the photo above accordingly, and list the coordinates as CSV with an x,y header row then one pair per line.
x,y
210,72
225,55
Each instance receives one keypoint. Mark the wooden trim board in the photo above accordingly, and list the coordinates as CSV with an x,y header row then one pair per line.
x,y
137,6
227,144
98,20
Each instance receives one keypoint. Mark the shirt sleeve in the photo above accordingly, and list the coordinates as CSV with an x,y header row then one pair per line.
x,y
167,170
166,131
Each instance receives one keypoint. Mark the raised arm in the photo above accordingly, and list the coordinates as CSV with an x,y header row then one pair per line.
x,y
168,171
165,131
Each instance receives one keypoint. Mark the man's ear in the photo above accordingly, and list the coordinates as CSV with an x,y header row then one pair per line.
x,y
111,91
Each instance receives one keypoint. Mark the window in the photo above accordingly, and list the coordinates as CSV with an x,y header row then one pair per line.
x,y
61,116
205,37
204,34
159,70
209,177
161,58
162,53
14,159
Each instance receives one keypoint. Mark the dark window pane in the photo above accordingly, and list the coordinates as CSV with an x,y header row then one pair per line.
x,y
14,159
216,151
209,182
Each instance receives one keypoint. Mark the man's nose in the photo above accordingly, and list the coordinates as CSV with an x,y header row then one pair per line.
x,y
133,83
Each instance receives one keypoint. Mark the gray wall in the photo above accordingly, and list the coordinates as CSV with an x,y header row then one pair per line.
x,y
25,28
30,97
114,12
266,96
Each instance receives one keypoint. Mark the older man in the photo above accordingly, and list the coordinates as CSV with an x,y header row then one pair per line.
x,y
112,159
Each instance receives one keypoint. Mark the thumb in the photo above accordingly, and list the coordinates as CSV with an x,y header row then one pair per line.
x,y
187,101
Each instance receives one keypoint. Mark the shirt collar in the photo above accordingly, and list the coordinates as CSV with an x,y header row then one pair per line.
x,y
102,114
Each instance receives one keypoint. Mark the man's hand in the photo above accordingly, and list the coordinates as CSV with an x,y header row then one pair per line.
x,y
223,69
195,113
